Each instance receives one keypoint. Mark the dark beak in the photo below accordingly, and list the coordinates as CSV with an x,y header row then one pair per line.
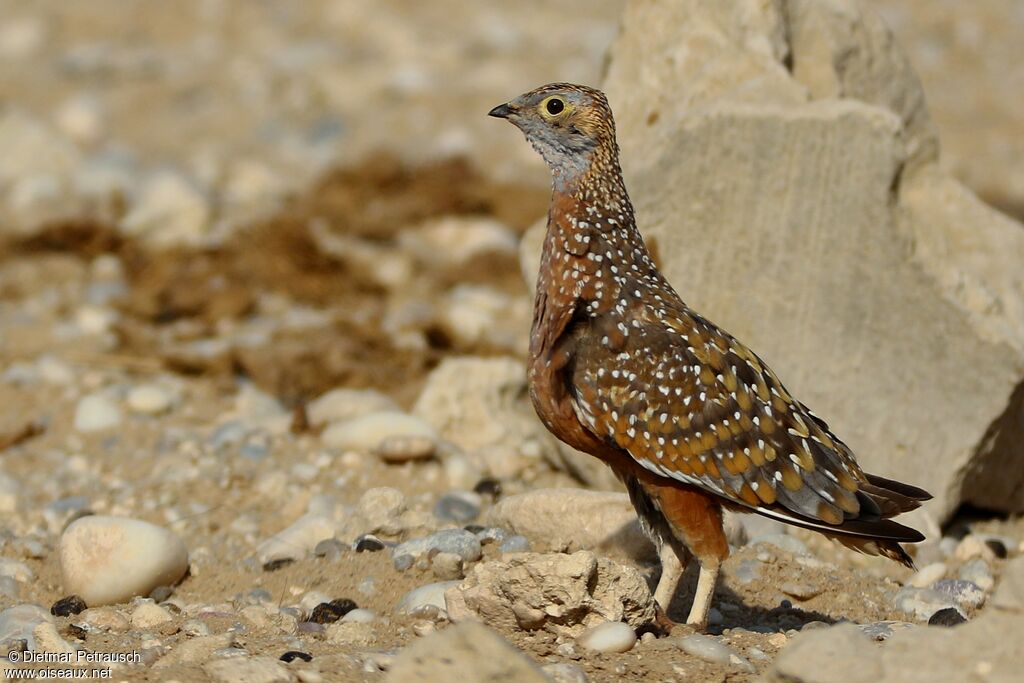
x,y
502,111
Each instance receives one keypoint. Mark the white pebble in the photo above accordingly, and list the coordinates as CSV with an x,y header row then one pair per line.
x,y
150,399
107,560
928,575
148,615
96,412
297,540
365,433
612,636
431,594
360,615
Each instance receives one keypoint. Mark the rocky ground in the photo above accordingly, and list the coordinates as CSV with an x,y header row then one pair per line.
x,y
262,322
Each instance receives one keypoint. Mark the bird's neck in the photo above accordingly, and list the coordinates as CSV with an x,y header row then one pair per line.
x,y
592,247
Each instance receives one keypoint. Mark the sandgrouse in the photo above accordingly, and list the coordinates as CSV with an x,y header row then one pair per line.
x,y
689,418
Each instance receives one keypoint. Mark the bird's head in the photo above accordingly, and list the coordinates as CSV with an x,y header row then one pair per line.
x,y
565,123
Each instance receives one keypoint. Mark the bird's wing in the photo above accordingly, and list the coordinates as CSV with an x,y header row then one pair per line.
x,y
689,402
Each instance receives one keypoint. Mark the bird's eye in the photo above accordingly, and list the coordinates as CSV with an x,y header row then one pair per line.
x,y
554,106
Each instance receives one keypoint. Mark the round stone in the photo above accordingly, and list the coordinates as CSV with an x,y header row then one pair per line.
x,y
65,607
150,399
459,507
96,412
108,560
612,636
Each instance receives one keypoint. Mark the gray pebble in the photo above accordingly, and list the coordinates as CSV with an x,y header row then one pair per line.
x,y
965,593
515,544
710,650
460,507
492,534
403,562
922,603
431,594
447,566
406,447
330,549
565,672
458,541
978,572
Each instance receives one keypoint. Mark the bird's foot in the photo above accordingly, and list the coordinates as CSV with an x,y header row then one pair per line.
x,y
662,625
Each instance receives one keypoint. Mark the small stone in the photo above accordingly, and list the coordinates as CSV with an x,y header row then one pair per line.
x,y
329,612
972,546
800,590
96,412
149,615
108,560
331,549
611,636
150,399
430,594
565,672
488,486
297,540
515,544
292,655
710,650
459,507
244,669
105,619
928,575
368,543
978,572
65,607
965,593
405,448
950,616
351,633
360,615
279,563
447,566
922,603
458,541
161,593
382,507
367,432
403,562
340,405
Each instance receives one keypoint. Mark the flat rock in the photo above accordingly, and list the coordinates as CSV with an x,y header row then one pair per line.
x,y
564,594
810,178
575,519
467,652
108,560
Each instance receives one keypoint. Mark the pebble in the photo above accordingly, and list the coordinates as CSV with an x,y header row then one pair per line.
x,y
928,575
292,655
329,612
360,615
245,669
972,546
611,636
330,549
340,405
978,572
403,562
430,594
565,672
150,615
368,543
710,650
107,619
150,399
170,209
447,566
922,603
367,432
65,607
381,507
460,507
950,616
404,448
18,623
108,560
297,540
351,633
96,412
515,544
457,541
14,569
965,593
800,590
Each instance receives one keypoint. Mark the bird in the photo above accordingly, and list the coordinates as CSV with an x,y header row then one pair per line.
x,y
688,417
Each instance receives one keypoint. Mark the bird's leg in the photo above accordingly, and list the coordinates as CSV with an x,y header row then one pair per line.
x,y
671,571
706,582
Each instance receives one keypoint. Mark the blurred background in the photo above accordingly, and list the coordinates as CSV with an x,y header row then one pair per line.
x,y
265,274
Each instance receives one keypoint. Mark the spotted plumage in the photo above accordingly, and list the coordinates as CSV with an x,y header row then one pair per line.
x,y
687,416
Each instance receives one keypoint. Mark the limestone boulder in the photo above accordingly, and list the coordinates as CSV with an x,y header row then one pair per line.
x,y
784,169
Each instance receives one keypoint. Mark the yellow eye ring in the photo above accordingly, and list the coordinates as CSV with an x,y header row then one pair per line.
x,y
553,106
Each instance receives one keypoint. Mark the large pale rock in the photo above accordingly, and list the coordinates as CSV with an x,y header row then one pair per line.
x,y
465,652
784,169
575,519
483,406
107,560
921,655
564,594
